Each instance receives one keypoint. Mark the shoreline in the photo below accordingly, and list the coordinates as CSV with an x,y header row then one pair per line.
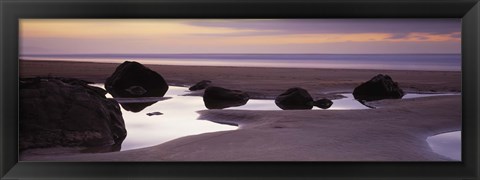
x,y
395,132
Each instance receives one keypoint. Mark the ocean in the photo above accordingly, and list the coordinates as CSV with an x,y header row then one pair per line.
x,y
421,62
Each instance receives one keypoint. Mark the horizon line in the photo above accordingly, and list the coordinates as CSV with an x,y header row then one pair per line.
x,y
241,54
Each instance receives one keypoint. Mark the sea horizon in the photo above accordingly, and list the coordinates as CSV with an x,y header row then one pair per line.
x,y
421,62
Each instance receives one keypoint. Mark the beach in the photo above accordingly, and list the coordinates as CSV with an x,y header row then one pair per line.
x,y
396,131
258,82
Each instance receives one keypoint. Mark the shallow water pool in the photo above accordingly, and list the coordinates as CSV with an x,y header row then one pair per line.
x,y
178,119
177,116
447,144
347,103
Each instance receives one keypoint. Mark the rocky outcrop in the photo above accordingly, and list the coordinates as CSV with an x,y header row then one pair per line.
x,y
294,98
132,79
67,112
219,98
323,103
377,88
200,85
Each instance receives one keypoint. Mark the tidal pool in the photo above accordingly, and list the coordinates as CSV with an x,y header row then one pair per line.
x,y
178,118
447,144
347,103
177,115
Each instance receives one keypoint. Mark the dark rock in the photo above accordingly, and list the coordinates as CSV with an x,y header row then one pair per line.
x,y
136,107
294,98
154,113
67,112
26,82
323,103
377,88
132,79
219,98
73,81
200,85
136,90
139,103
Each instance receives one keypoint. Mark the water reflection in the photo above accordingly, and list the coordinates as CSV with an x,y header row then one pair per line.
x,y
176,116
447,144
179,116
347,103
130,103
417,95
178,119
136,107
406,96
138,104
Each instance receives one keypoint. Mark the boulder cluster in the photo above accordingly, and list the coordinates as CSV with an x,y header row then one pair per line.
x,y
69,112
378,88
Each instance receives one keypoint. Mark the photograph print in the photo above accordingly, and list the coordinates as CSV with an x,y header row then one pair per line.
x,y
383,90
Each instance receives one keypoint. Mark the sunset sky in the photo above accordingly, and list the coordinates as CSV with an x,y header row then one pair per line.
x,y
163,36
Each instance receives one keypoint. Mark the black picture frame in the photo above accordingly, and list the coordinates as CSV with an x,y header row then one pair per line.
x,y
12,10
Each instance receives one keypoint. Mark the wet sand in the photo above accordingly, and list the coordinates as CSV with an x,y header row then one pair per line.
x,y
396,131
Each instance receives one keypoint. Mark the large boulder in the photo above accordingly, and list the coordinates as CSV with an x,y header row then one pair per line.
x,y
323,103
132,79
200,85
67,112
219,98
377,88
136,90
294,98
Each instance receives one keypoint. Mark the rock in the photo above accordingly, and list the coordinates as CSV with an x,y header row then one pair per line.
x,y
377,88
139,103
136,107
136,90
26,82
294,98
132,79
154,113
323,103
200,85
67,112
219,98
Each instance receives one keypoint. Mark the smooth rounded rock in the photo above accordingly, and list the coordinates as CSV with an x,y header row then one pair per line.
x,y
132,79
323,103
200,85
220,98
377,88
294,98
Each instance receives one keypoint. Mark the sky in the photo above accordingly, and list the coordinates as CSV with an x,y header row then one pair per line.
x,y
177,36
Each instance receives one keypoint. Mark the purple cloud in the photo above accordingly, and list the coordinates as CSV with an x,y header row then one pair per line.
x,y
399,27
